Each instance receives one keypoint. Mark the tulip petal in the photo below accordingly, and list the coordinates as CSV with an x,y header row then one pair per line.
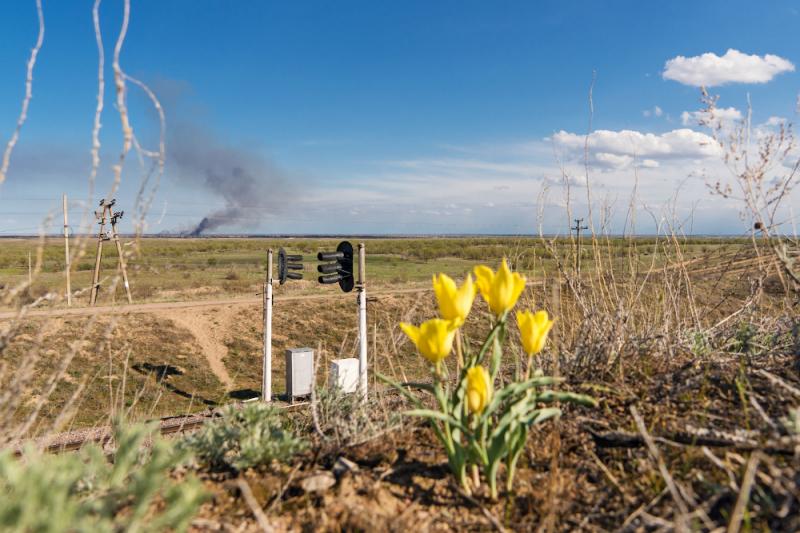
x,y
519,285
411,331
479,389
468,288
474,401
447,296
483,279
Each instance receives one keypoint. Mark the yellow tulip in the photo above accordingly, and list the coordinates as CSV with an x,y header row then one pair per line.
x,y
454,302
533,329
434,338
502,289
479,389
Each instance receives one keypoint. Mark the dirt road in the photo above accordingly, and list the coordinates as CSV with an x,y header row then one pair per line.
x,y
150,307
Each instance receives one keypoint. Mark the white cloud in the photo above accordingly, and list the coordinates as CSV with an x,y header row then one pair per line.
x,y
619,149
769,128
722,116
774,122
709,69
613,160
655,112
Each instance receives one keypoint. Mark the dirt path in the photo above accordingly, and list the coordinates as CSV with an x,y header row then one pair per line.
x,y
208,330
150,307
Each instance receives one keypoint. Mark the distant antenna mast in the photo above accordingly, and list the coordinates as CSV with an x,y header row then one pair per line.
x,y
577,229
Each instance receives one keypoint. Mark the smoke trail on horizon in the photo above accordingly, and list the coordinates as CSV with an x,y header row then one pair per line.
x,y
250,185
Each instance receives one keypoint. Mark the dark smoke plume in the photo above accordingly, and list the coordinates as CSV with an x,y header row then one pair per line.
x,y
251,187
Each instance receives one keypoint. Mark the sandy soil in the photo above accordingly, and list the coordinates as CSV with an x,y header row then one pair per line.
x,y
208,328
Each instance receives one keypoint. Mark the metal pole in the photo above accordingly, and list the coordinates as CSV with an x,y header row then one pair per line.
x,y
66,253
266,376
578,243
121,258
96,275
362,321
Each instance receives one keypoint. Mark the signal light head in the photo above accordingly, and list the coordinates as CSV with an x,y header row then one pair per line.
x,y
330,256
330,278
329,268
341,271
286,263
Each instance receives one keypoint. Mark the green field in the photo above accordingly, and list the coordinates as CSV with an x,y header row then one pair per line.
x,y
169,269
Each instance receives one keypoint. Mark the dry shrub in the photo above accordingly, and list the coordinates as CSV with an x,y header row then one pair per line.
x,y
342,420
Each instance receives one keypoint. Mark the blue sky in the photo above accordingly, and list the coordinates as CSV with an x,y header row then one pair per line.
x,y
388,117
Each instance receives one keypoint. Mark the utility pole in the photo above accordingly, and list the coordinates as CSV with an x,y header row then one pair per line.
x,y
66,253
114,218
111,216
361,287
578,227
266,371
101,236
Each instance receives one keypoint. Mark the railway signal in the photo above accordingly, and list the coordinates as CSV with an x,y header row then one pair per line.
x,y
287,263
340,270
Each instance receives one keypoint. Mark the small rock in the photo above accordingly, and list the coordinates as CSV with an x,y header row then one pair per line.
x,y
342,466
319,482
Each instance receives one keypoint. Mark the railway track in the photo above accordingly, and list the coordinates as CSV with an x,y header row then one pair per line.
x,y
169,425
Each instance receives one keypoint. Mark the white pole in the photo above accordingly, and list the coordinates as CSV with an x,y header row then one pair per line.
x,y
266,380
362,322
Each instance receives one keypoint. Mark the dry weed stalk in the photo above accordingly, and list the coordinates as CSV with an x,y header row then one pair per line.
x,y
26,100
617,307
763,177
34,375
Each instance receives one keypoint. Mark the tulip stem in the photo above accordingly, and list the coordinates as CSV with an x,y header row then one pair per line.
x,y
476,476
464,480
512,466
489,340
459,353
492,478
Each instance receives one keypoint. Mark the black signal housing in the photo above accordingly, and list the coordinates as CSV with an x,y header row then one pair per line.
x,y
339,269
288,264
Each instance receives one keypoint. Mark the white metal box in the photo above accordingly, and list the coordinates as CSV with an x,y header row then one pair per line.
x,y
344,374
299,372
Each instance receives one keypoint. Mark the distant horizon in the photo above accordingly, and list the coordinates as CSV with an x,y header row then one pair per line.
x,y
372,235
